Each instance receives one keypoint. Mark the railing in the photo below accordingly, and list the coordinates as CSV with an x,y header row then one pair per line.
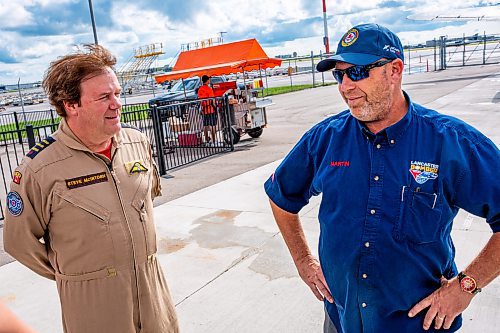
x,y
185,133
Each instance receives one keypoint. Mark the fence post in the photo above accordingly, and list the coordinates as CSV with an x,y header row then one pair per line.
x,y
31,135
159,140
322,73
228,122
53,127
435,62
18,129
409,60
484,48
463,56
312,68
442,53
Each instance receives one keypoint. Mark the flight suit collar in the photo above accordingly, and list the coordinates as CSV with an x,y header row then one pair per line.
x,y
69,138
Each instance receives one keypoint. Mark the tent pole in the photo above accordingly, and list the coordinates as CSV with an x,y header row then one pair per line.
x,y
245,84
260,78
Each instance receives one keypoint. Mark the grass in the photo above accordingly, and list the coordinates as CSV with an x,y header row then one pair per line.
x,y
9,131
286,89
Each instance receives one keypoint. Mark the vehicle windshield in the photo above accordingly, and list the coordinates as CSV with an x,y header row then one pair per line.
x,y
190,84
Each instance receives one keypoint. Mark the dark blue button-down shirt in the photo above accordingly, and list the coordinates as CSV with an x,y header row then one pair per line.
x,y
387,209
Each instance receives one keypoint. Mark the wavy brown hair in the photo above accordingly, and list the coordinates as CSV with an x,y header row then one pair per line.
x,y
62,79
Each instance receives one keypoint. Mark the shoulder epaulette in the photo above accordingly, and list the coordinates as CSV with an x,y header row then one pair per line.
x,y
40,146
126,125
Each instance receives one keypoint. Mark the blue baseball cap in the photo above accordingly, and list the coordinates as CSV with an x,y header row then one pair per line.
x,y
364,44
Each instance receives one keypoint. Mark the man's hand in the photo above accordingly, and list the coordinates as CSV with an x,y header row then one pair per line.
x,y
445,304
310,271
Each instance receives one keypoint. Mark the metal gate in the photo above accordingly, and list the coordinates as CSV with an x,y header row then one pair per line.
x,y
469,50
183,133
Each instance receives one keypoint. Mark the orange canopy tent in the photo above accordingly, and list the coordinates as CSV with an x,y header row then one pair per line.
x,y
245,55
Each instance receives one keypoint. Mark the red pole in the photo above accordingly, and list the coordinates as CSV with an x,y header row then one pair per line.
x,y
427,64
325,39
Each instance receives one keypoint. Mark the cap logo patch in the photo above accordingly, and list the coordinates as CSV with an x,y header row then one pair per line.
x,y
14,203
392,49
423,171
86,180
350,37
16,178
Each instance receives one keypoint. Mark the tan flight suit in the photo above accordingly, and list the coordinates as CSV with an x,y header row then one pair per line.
x,y
77,218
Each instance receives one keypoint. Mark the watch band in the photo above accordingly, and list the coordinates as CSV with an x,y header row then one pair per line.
x,y
468,284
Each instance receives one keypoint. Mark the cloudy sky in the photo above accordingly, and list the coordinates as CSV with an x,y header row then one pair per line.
x,y
35,32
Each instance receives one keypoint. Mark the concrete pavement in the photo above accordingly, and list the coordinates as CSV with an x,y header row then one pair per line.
x,y
226,263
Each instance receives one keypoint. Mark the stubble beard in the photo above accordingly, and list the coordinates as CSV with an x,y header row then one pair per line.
x,y
376,106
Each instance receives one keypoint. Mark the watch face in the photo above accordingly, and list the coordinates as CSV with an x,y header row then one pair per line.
x,y
468,284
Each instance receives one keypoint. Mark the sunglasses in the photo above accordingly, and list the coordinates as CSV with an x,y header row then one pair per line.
x,y
356,73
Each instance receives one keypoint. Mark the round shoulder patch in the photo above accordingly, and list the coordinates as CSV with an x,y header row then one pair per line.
x,y
15,203
350,37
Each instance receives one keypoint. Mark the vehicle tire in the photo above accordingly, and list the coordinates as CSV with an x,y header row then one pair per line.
x,y
255,132
236,136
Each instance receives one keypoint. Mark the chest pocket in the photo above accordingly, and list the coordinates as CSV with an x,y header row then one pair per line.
x,y
419,220
80,233
143,205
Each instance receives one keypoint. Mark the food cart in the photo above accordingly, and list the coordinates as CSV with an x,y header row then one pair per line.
x,y
247,113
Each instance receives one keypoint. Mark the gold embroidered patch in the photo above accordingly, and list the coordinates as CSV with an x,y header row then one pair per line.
x,y
135,167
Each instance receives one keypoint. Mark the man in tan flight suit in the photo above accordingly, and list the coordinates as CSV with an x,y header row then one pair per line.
x,y
80,206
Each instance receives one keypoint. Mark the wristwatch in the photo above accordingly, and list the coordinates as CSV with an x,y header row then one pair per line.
x,y
468,284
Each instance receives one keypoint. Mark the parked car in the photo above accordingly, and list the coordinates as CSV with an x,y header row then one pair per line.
x,y
181,91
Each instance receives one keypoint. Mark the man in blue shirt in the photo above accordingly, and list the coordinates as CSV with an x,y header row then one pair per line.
x,y
393,175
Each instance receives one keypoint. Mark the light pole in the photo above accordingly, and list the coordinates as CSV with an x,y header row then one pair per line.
x,y
325,39
93,21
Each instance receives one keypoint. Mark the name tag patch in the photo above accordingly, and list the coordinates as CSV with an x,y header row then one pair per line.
x,y
14,203
135,167
86,180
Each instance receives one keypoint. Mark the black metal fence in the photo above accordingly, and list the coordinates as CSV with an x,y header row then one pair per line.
x,y
191,131
176,132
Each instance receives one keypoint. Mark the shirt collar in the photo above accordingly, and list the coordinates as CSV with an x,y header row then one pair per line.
x,y
66,135
393,132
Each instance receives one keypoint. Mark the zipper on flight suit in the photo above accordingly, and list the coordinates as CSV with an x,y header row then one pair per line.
x,y
116,181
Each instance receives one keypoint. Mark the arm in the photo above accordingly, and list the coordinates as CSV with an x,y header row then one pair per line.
x,y
156,186
24,229
477,193
9,323
446,303
308,267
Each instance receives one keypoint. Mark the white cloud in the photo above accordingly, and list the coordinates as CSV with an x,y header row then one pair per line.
x,y
130,25
14,14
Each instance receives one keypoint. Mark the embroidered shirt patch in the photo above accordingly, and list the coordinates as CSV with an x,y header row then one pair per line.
x,y
423,171
40,146
16,178
135,167
14,203
86,180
